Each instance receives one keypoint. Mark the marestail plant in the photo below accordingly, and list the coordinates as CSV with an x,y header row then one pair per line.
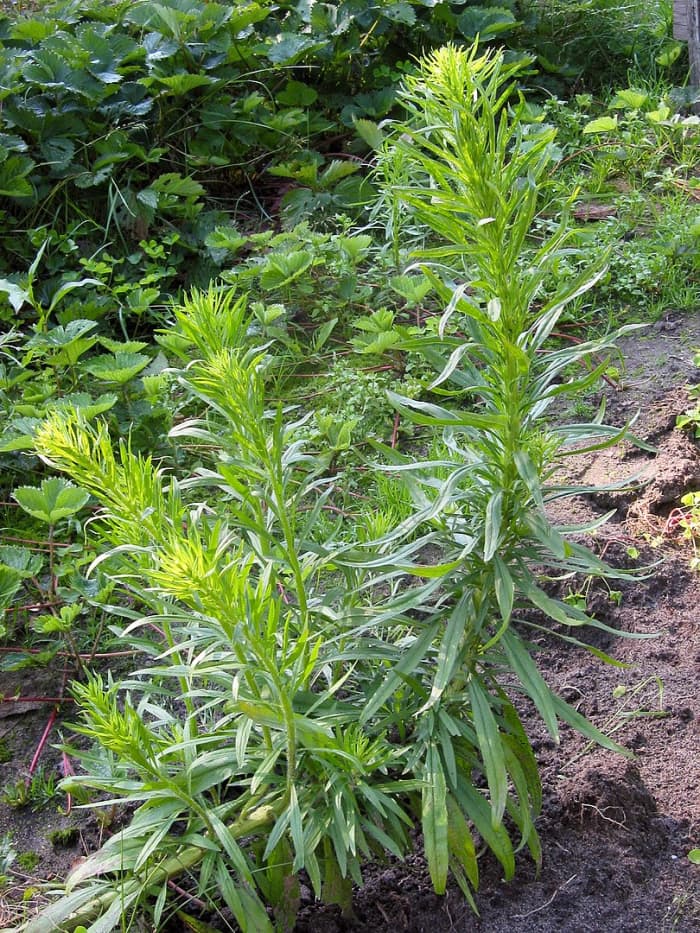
x,y
305,701
482,506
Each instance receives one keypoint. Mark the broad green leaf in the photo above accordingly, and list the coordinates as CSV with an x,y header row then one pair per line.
x,y
413,288
63,335
355,247
485,22
370,132
117,367
55,499
601,125
337,170
58,151
10,583
629,98
225,238
297,94
88,406
181,84
400,12
20,559
281,271
287,48
175,185
16,295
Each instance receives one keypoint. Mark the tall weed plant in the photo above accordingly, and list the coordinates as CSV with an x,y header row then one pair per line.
x,y
307,701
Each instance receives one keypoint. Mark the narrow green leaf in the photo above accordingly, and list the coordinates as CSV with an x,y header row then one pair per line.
x,y
531,679
492,524
296,830
434,820
489,739
243,903
504,586
410,660
461,842
585,727
477,809
449,654
231,847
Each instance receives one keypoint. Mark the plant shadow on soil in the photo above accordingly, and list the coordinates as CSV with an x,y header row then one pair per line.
x,y
615,832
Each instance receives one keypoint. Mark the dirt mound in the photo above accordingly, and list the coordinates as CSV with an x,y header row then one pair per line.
x,y
608,795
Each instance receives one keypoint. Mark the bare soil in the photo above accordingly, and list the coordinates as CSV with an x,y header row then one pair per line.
x,y
615,832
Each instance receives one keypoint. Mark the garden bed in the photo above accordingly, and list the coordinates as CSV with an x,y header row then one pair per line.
x,y
615,832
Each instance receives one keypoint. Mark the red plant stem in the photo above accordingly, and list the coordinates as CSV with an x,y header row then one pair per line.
x,y
29,607
190,897
38,545
22,699
69,654
43,740
572,339
49,725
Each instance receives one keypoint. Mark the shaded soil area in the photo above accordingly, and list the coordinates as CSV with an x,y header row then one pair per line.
x,y
615,831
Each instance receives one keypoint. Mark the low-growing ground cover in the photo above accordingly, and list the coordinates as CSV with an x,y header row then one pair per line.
x,y
280,585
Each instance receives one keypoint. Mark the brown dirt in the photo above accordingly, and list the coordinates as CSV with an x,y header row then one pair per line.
x,y
615,832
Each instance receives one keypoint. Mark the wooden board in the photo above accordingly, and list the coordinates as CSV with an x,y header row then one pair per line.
x,y
681,29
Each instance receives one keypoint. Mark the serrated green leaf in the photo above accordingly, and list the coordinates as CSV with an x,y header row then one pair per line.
x,y
485,22
116,367
287,48
181,84
281,271
601,125
21,560
629,98
55,499
370,132
10,582
16,295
